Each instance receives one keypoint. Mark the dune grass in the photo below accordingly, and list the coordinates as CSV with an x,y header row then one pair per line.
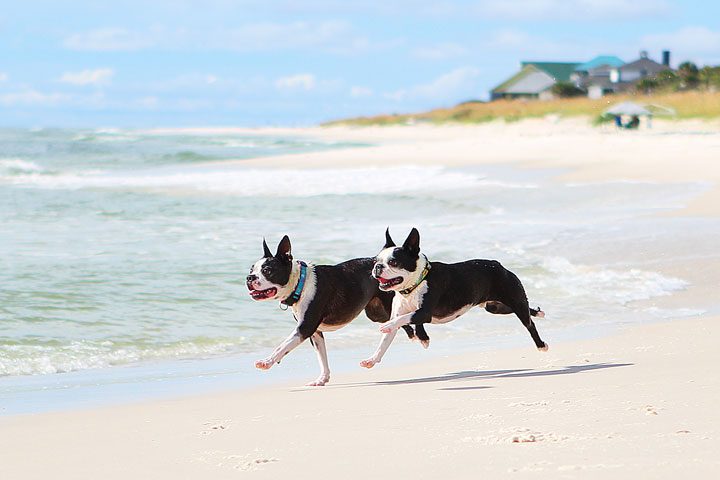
x,y
694,104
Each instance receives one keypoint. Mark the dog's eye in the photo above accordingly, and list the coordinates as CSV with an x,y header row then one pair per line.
x,y
392,263
266,271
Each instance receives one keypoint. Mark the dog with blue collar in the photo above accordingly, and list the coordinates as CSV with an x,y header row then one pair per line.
x,y
323,298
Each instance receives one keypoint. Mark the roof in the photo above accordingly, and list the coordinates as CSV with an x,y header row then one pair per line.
x,y
598,61
560,71
529,80
644,63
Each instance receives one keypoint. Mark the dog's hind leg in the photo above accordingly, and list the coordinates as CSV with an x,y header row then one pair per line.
x,y
520,308
318,342
516,299
422,335
499,308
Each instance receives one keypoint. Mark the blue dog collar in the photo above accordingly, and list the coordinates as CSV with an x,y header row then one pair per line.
x,y
295,295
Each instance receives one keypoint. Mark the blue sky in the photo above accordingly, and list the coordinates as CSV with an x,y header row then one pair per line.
x,y
221,62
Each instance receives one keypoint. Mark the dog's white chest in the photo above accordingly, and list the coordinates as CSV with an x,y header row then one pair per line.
x,y
403,304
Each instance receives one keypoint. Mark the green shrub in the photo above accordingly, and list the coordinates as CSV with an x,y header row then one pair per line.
x,y
566,90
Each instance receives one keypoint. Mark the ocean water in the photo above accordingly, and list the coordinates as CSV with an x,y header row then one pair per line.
x,y
129,248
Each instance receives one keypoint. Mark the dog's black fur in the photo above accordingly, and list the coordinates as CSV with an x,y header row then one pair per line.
x,y
452,287
341,292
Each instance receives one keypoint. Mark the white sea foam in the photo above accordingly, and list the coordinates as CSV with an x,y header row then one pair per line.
x,y
18,166
82,355
273,183
614,286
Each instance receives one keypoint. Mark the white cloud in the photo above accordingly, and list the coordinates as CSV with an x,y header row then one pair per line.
x,y
100,76
578,10
694,43
110,39
332,36
32,97
188,81
547,10
360,92
452,85
525,46
301,81
441,51
4,77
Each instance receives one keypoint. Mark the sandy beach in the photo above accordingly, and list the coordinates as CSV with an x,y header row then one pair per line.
x,y
639,403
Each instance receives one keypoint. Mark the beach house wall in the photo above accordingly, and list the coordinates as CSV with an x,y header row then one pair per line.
x,y
640,68
534,80
594,76
615,76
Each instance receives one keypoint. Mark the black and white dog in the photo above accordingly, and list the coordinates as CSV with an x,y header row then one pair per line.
x,y
323,298
435,292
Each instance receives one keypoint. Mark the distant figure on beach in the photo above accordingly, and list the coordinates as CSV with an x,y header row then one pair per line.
x,y
633,123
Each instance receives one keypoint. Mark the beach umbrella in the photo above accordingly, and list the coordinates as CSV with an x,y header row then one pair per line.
x,y
628,108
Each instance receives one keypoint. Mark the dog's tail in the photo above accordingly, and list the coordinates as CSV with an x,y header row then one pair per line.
x,y
537,312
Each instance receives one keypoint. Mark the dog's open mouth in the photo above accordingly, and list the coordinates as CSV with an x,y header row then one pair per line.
x,y
263,294
386,283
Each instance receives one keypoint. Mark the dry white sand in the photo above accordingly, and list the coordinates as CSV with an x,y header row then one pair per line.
x,y
638,404
641,404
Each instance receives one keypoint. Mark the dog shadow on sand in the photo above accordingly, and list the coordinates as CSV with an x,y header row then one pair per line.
x,y
487,374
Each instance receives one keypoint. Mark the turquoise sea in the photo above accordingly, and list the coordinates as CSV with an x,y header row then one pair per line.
x,y
125,250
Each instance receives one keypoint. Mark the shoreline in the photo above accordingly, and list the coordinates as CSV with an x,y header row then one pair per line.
x,y
157,381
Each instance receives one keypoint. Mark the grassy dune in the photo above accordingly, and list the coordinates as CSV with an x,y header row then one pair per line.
x,y
695,104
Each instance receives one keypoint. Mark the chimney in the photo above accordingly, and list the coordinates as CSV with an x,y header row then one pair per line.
x,y
666,58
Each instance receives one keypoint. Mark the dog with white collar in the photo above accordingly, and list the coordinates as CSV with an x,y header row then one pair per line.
x,y
323,298
436,292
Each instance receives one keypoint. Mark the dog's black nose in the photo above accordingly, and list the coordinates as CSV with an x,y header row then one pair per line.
x,y
251,278
378,269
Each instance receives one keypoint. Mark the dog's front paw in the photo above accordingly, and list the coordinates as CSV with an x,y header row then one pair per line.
x,y
425,343
369,363
264,364
544,348
319,382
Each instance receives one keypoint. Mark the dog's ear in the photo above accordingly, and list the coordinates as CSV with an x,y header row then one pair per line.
x,y
388,240
266,251
412,242
283,250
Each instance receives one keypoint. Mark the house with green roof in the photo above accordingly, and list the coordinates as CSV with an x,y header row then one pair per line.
x,y
594,76
604,74
534,80
599,62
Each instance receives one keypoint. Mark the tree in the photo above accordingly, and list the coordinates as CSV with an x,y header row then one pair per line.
x,y
689,75
566,90
647,85
709,78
